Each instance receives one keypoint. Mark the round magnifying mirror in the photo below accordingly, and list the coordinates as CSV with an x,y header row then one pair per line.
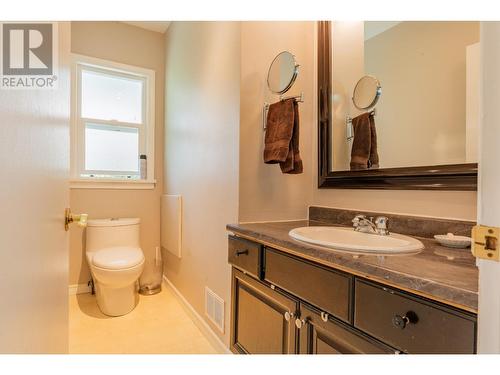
x,y
367,92
282,73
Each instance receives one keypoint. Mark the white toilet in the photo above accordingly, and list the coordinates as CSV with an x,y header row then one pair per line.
x,y
116,261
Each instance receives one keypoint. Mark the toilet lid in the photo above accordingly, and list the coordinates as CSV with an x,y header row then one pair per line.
x,y
115,258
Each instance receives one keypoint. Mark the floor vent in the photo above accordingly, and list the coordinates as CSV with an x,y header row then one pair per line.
x,y
214,308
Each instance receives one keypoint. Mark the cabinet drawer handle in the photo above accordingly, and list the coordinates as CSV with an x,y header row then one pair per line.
x,y
324,316
401,322
299,323
288,315
241,252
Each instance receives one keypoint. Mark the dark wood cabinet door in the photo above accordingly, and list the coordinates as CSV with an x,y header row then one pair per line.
x,y
317,336
261,318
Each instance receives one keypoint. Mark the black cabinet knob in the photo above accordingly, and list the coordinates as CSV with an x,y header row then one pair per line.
x,y
401,322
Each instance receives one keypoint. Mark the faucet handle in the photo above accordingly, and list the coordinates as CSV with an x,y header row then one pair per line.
x,y
357,219
381,223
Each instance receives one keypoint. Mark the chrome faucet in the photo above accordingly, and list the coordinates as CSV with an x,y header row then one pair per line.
x,y
367,225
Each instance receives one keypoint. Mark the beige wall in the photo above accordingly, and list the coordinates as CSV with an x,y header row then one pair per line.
x,y
202,83
347,67
421,113
134,46
472,115
445,204
265,192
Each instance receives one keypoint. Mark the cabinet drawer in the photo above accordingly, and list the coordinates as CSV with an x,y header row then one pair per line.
x,y
411,324
245,255
326,289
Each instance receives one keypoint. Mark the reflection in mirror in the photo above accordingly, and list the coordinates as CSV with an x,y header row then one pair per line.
x,y
428,114
366,92
282,73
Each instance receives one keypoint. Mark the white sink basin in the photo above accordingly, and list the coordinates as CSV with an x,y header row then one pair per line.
x,y
348,240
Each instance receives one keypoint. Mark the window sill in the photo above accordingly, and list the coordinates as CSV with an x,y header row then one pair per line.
x,y
112,184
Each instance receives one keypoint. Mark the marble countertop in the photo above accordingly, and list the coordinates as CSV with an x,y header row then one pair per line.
x,y
439,273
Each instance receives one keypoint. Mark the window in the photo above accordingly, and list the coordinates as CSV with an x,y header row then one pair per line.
x,y
113,124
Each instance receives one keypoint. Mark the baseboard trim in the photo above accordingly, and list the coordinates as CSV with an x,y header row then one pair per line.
x,y
199,321
78,289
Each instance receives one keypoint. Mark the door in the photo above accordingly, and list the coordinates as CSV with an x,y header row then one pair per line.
x,y
319,334
34,163
261,318
488,181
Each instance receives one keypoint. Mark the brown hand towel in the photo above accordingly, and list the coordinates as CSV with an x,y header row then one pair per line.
x,y
282,136
373,161
364,146
279,130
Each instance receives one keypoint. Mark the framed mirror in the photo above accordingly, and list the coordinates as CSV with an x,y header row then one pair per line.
x,y
282,73
423,129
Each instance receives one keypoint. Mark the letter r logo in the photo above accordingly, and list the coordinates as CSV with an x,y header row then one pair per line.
x,y
27,49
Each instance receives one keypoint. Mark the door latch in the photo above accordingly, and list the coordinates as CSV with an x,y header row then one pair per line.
x,y
485,242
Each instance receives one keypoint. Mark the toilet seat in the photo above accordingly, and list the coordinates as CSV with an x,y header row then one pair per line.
x,y
117,258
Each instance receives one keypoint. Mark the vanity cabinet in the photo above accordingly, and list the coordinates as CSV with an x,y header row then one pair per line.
x,y
282,303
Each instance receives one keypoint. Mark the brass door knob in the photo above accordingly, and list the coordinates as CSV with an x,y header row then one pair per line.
x,y
80,219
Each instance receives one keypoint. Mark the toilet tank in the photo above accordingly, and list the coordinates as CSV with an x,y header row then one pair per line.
x,y
103,233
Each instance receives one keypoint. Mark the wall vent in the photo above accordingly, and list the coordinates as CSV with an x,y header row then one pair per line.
x,y
214,308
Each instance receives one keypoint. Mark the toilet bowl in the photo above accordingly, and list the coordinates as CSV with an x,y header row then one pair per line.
x,y
116,262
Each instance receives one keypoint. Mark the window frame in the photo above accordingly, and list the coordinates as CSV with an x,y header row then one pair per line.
x,y
146,128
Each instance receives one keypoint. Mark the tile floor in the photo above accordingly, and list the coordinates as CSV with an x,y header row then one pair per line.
x,y
158,325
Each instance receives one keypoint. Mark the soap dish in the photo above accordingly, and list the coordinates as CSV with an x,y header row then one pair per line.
x,y
450,240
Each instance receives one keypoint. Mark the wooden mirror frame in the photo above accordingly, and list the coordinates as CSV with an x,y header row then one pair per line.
x,y
437,177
